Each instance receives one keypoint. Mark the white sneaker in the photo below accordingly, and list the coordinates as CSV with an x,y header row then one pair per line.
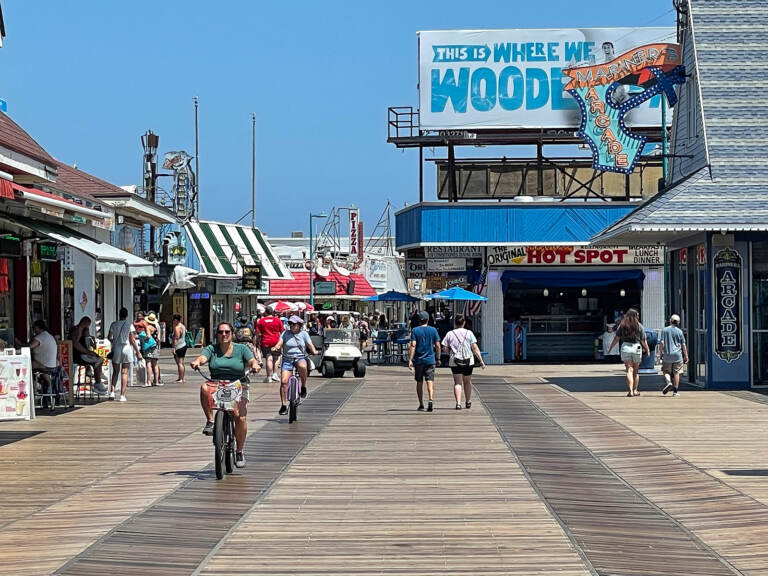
x,y
675,393
112,395
275,377
267,379
123,399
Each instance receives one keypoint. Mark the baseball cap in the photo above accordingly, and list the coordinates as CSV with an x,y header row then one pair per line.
x,y
423,315
295,320
675,319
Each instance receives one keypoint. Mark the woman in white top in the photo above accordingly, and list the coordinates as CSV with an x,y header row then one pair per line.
x,y
124,345
461,345
179,341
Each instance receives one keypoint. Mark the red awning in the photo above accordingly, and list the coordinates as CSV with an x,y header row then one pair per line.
x,y
298,288
6,189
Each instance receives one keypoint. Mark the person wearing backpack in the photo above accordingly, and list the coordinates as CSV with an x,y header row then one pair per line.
x,y
180,344
461,346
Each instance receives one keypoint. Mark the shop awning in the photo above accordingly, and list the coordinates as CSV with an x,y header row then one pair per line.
x,y
224,248
109,260
571,279
298,287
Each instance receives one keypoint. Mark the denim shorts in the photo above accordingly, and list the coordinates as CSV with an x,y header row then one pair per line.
x,y
631,352
288,364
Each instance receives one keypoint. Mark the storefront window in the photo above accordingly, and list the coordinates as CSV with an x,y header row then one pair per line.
x,y
98,329
760,313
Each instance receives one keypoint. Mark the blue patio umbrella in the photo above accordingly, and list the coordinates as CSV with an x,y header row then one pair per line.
x,y
392,296
456,293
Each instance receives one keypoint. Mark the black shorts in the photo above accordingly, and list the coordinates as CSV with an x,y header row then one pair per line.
x,y
463,370
424,372
269,352
181,352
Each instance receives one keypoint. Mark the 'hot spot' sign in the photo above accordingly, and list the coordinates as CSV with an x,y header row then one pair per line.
x,y
575,256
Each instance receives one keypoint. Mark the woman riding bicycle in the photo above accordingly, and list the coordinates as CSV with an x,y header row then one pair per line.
x,y
294,343
227,361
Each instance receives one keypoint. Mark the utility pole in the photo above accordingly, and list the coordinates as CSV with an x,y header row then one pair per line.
x,y
197,168
150,141
253,171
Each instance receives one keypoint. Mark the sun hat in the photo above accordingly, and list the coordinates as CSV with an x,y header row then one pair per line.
x,y
151,318
295,320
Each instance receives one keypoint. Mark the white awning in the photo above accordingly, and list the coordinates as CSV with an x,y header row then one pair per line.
x,y
109,259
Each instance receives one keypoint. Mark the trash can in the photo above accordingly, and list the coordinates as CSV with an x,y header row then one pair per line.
x,y
648,363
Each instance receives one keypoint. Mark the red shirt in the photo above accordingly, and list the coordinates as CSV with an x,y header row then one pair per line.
x,y
270,329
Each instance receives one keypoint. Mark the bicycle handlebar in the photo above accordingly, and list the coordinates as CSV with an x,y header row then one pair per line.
x,y
208,377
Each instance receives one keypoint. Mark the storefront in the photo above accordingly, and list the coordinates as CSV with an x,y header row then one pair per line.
x,y
566,298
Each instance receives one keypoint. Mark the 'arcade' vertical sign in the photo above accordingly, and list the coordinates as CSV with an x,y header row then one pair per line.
x,y
728,337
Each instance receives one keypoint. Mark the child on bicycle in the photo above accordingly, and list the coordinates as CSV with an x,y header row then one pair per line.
x,y
294,343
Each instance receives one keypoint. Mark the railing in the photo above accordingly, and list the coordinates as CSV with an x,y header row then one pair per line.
x,y
402,122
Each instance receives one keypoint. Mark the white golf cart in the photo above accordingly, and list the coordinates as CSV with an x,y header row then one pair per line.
x,y
339,351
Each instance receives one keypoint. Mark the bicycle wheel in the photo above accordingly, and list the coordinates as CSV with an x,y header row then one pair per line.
x,y
218,444
293,399
229,444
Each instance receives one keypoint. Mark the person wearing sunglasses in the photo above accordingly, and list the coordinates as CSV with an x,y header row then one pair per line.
x,y
227,361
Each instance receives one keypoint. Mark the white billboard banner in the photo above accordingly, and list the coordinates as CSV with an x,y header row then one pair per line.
x,y
576,256
485,79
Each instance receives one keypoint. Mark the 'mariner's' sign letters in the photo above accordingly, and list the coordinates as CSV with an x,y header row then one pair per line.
x,y
728,338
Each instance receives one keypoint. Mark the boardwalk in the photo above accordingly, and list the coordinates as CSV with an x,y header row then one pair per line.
x,y
546,474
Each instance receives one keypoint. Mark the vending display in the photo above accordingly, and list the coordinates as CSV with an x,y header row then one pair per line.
x,y
16,388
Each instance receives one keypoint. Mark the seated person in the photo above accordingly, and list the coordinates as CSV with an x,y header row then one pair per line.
x,y
83,354
43,347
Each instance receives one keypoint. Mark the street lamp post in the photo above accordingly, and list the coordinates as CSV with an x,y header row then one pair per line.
x,y
312,259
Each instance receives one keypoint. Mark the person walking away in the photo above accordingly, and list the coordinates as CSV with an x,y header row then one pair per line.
x,y
674,354
179,343
425,347
150,350
83,354
630,334
296,344
461,346
124,345
268,331
227,361
365,332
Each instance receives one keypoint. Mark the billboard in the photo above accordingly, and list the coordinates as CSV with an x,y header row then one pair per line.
x,y
488,79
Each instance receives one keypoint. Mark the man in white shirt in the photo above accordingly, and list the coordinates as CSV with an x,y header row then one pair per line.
x,y
43,346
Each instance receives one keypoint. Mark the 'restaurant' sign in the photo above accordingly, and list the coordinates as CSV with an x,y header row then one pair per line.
x,y
575,256
453,252
728,337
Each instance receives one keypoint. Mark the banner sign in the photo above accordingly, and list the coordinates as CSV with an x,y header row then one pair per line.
x,y
354,241
325,288
446,264
415,268
728,322
235,286
376,272
16,384
436,282
452,281
602,93
453,251
575,256
485,79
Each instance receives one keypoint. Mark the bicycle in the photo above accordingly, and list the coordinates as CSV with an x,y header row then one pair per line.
x,y
294,392
224,399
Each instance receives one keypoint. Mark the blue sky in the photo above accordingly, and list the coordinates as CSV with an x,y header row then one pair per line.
x,y
86,78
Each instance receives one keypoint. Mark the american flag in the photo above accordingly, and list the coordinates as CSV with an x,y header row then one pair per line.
x,y
473,308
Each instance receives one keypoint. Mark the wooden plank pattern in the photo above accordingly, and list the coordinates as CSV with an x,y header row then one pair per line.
x,y
389,490
620,531
717,508
176,533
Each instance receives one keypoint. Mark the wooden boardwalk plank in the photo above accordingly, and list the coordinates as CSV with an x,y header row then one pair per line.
x,y
621,532
389,490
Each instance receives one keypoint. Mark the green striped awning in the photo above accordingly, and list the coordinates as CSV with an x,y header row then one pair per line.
x,y
223,248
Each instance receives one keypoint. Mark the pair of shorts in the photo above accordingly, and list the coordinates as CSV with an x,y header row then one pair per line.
x,y
631,352
90,359
288,364
463,370
267,351
150,353
424,372
672,367
180,352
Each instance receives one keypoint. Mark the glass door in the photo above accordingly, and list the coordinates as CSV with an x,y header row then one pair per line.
x,y
759,314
